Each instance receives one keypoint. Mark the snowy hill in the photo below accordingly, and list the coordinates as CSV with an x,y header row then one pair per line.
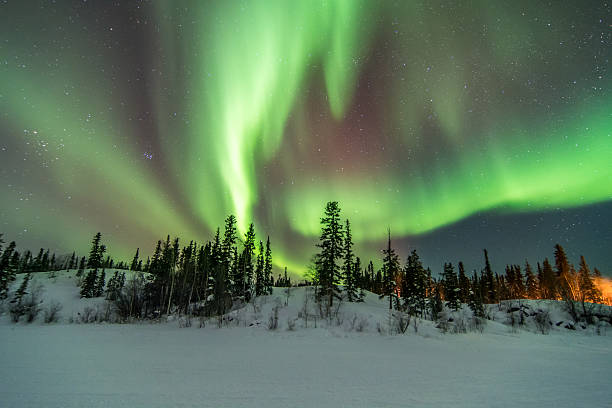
x,y
356,358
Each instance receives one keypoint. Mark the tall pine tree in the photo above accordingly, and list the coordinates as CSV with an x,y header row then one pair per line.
x,y
330,245
348,269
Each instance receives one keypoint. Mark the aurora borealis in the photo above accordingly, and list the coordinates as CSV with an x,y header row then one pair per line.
x,y
459,125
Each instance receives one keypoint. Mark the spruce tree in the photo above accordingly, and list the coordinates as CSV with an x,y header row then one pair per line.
x,y
229,240
546,280
348,269
330,244
134,265
245,278
37,263
45,262
81,269
259,272
464,285
96,254
531,283
588,290
490,294
268,269
475,302
567,282
14,263
6,274
72,262
88,286
21,291
390,273
435,302
25,263
6,256
451,287
99,284
414,285
360,280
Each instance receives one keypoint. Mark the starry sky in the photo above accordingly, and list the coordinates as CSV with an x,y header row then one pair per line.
x,y
458,125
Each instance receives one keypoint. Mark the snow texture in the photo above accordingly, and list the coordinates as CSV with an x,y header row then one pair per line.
x,y
244,364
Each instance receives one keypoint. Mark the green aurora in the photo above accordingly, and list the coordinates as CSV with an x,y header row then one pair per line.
x,y
168,117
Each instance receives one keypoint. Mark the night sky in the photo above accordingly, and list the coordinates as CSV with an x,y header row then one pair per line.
x,y
458,125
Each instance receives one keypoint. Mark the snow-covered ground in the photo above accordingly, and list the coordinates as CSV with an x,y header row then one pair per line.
x,y
244,364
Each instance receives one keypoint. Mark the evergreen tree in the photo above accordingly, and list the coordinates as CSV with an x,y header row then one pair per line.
x,y
531,284
37,264
96,254
348,269
73,262
26,262
115,285
390,273
260,283
15,262
360,280
451,287
134,265
414,285
464,285
6,274
82,264
489,295
268,269
5,259
330,244
435,302
99,284
21,291
52,263
546,281
588,290
476,300
229,240
567,281
45,261
245,278
88,286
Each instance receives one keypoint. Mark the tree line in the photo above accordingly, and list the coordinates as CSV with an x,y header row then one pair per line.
x,y
338,274
209,278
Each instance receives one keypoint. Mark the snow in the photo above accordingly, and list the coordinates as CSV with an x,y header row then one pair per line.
x,y
243,364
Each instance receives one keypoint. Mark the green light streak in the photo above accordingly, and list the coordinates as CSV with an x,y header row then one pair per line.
x,y
545,169
254,60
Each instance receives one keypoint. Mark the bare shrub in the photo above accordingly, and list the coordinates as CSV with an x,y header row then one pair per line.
x,y
400,322
542,321
16,311
339,319
184,321
362,324
476,323
352,322
327,311
28,305
131,300
273,318
444,321
458,326
88,315
51,313
291,324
